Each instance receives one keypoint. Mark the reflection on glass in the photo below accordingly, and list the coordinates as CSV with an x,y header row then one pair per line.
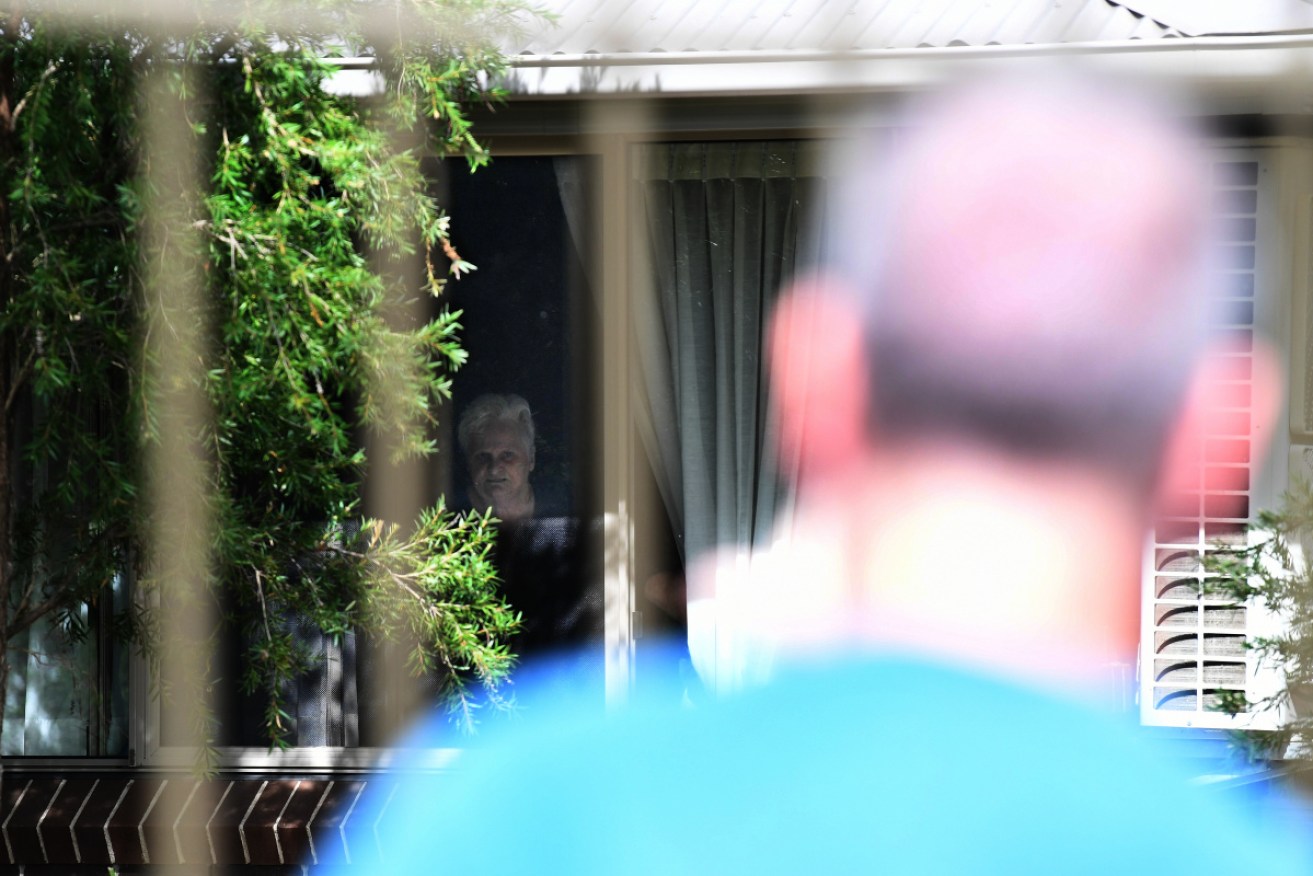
x,y
523,438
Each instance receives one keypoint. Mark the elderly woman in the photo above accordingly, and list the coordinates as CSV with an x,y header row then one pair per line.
x,y
496,437
541,557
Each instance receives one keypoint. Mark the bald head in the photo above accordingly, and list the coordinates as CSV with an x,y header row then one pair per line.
x,y
1030,264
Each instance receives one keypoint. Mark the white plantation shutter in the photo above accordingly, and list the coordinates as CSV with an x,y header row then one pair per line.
x,y
1193,643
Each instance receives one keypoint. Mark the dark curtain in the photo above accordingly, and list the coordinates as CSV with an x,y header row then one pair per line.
x,y
727,225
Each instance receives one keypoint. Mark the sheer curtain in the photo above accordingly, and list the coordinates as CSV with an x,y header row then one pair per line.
x,y
727,225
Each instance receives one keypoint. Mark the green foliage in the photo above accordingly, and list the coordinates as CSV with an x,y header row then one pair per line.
x,y
1275,571
432,585
67,318
314,203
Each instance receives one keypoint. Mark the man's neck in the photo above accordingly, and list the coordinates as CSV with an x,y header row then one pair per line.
x,y
1027,569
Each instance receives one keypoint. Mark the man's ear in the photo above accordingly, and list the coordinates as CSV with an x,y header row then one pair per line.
x,y
819,377
1210,404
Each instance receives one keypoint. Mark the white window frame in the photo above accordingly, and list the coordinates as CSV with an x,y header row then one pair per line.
x,y
612,383
1277,194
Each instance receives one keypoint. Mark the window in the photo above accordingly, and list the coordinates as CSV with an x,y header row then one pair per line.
x,y
527,328
1193,642
723,227
67,688
66,691
524,222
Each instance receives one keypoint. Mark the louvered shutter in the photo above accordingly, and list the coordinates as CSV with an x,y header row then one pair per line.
x,y
1192,642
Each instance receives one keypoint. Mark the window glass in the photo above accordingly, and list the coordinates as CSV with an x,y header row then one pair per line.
x,y
527,454
524,432
723,227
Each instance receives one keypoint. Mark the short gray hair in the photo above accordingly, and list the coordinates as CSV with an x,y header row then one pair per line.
x,y
1008,298
491,409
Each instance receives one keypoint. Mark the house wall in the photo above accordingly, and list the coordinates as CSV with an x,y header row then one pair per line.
x,y
264,812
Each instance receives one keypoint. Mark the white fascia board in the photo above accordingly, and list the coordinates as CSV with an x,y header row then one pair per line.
x,y
747,78
1239,66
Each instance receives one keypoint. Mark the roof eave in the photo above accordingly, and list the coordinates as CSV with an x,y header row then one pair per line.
x,y
1231,64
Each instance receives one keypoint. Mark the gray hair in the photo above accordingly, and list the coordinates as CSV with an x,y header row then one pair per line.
x,y
492,409
1029,262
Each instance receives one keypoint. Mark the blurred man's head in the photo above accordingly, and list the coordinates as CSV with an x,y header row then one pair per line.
x,y
1026,261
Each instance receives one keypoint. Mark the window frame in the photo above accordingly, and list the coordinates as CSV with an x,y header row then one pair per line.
x,y
1272,301
610,346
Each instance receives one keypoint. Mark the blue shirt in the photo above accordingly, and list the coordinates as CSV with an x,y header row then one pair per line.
x,y
885,766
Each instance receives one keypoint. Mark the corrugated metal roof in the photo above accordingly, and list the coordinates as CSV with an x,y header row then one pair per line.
x,y
606,27
1228,17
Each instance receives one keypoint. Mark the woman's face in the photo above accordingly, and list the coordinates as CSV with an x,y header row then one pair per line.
x,y
499,466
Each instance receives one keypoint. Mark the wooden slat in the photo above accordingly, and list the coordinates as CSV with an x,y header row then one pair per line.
x,y
125,828
326,830
262,845
56,837
133,819
226,842
20,825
